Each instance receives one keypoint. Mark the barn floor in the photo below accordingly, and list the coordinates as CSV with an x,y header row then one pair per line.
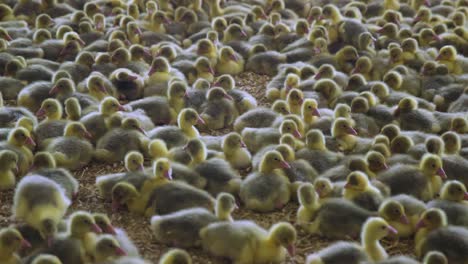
x,y
138,229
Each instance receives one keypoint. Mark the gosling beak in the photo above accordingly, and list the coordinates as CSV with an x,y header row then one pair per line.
x,y
439,57
297,134
16,169
41,112
384,166
355,70
8,37
122,108
291,250
168,174
317,76
243,145
141,167
30,141
120,252
88,135
132,77
96,229
151,71
82,43
115,206
243,33
138,31
102,89
466,196
427,3
25,244
441,173
142,131
352,131
285,165
110,230
227,96
167,21
396,113
200,121
315,112
50,241
233,57
404,219
54,90
392,230
436,38
420,224
211,70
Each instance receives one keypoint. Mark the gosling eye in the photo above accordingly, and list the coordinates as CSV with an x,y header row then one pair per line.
x,y
383,227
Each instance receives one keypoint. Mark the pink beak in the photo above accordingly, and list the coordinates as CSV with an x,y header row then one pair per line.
x,y
50,241
142,131
291,250
385,166
420,224
355,70
30,141
115,206
122,108
297,134
96,229
168,174
141,167
25,244
151,71
200,121
8,37
54,90
441,173
110,230
392,230
120,252
41,112
243,144
352,131
210,69
285,165
466,196
243,33
132,77
427,2
88,135
436,38
317,76
227,96
397,112
404,219
439,57
138,31
233,57
102,89
82,43
315,112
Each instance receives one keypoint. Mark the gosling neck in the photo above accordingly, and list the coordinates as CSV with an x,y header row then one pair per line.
x,y
199,157
372,246
215,9
223,214
188,129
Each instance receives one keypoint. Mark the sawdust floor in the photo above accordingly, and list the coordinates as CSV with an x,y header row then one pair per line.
x,y
137,226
